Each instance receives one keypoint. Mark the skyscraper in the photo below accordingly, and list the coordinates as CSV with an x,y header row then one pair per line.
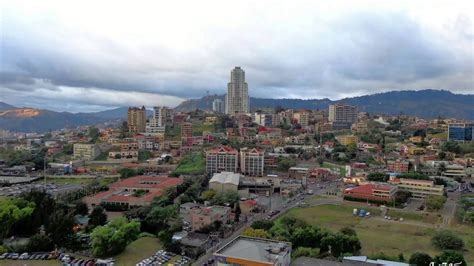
x,y
237,98
136,119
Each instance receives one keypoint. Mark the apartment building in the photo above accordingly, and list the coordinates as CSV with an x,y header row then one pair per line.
x,y
251,162
85,151
128,150
342,113
360,127
301,118
186,130
222,159
398,166
136,119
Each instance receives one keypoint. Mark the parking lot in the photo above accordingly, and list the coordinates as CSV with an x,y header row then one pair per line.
x,y
51,258
53,189
162,257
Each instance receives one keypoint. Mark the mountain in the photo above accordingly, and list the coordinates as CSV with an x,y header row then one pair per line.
x,y
6,106
40,120
423,103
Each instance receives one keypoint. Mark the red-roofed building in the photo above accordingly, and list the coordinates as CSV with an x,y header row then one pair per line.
x,y
373,192
122,192
222,159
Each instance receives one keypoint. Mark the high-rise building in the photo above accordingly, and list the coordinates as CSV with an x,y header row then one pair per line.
x,y
222,159
186,130
136,119
237,97
157,122
218,106
342,116
302,118
460,132
251,161
342,113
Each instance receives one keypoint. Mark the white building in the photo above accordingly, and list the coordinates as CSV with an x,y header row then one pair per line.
x,y
218,106
237,97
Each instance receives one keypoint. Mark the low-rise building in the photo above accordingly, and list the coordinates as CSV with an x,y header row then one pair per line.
x,y
85,151
348,139
204,216
133,191
419,189
375,192
224,181
398,166
298,172
244,250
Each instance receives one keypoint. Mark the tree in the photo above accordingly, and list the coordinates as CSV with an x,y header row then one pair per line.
x,y
12,211
450,257
60,227
127,172
441,169
451,146
447,240
118,156
441,155
208,194
420,259
377,176
144,155
262,224
40,242
237,212
260,233
81,208
284,163
160,217
402,196
94,134
44,206
112,239
434,202
98,216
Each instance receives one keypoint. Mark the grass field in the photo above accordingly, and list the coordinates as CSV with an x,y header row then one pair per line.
x,y
138,250
29,262
378,235
79,181
342,168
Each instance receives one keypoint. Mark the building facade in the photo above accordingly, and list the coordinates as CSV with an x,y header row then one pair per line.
x,y
218,106
398,166
251,162
205,216
157,123
460,132
419,189
136,119
342,113
222,159
85,151
369,192
237,97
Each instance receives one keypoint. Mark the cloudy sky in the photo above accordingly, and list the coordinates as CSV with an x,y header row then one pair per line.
x,y
95,55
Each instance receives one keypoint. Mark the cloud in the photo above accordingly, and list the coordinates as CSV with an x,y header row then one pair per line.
x,y
150,53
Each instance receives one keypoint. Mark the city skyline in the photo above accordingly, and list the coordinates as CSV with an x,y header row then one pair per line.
x,y
53,58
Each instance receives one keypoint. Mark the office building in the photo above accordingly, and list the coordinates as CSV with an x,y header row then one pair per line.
x,y
342,113
218,106
374,192
419,189
251,162
237,97
85,151
222,159
136,119
122,193
460,132
244,250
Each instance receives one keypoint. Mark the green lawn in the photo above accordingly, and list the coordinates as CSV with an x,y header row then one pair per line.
x,y
342,168
376,235
138,250
199,128
29,262
191,164
173,132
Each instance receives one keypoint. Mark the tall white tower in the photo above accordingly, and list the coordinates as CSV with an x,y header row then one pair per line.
x,y
237,98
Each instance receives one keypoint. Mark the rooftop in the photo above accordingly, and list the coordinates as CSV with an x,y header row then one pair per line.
x,y
255,249
226,178
369,188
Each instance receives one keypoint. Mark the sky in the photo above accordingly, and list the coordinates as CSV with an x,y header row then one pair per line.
x,y
84,56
